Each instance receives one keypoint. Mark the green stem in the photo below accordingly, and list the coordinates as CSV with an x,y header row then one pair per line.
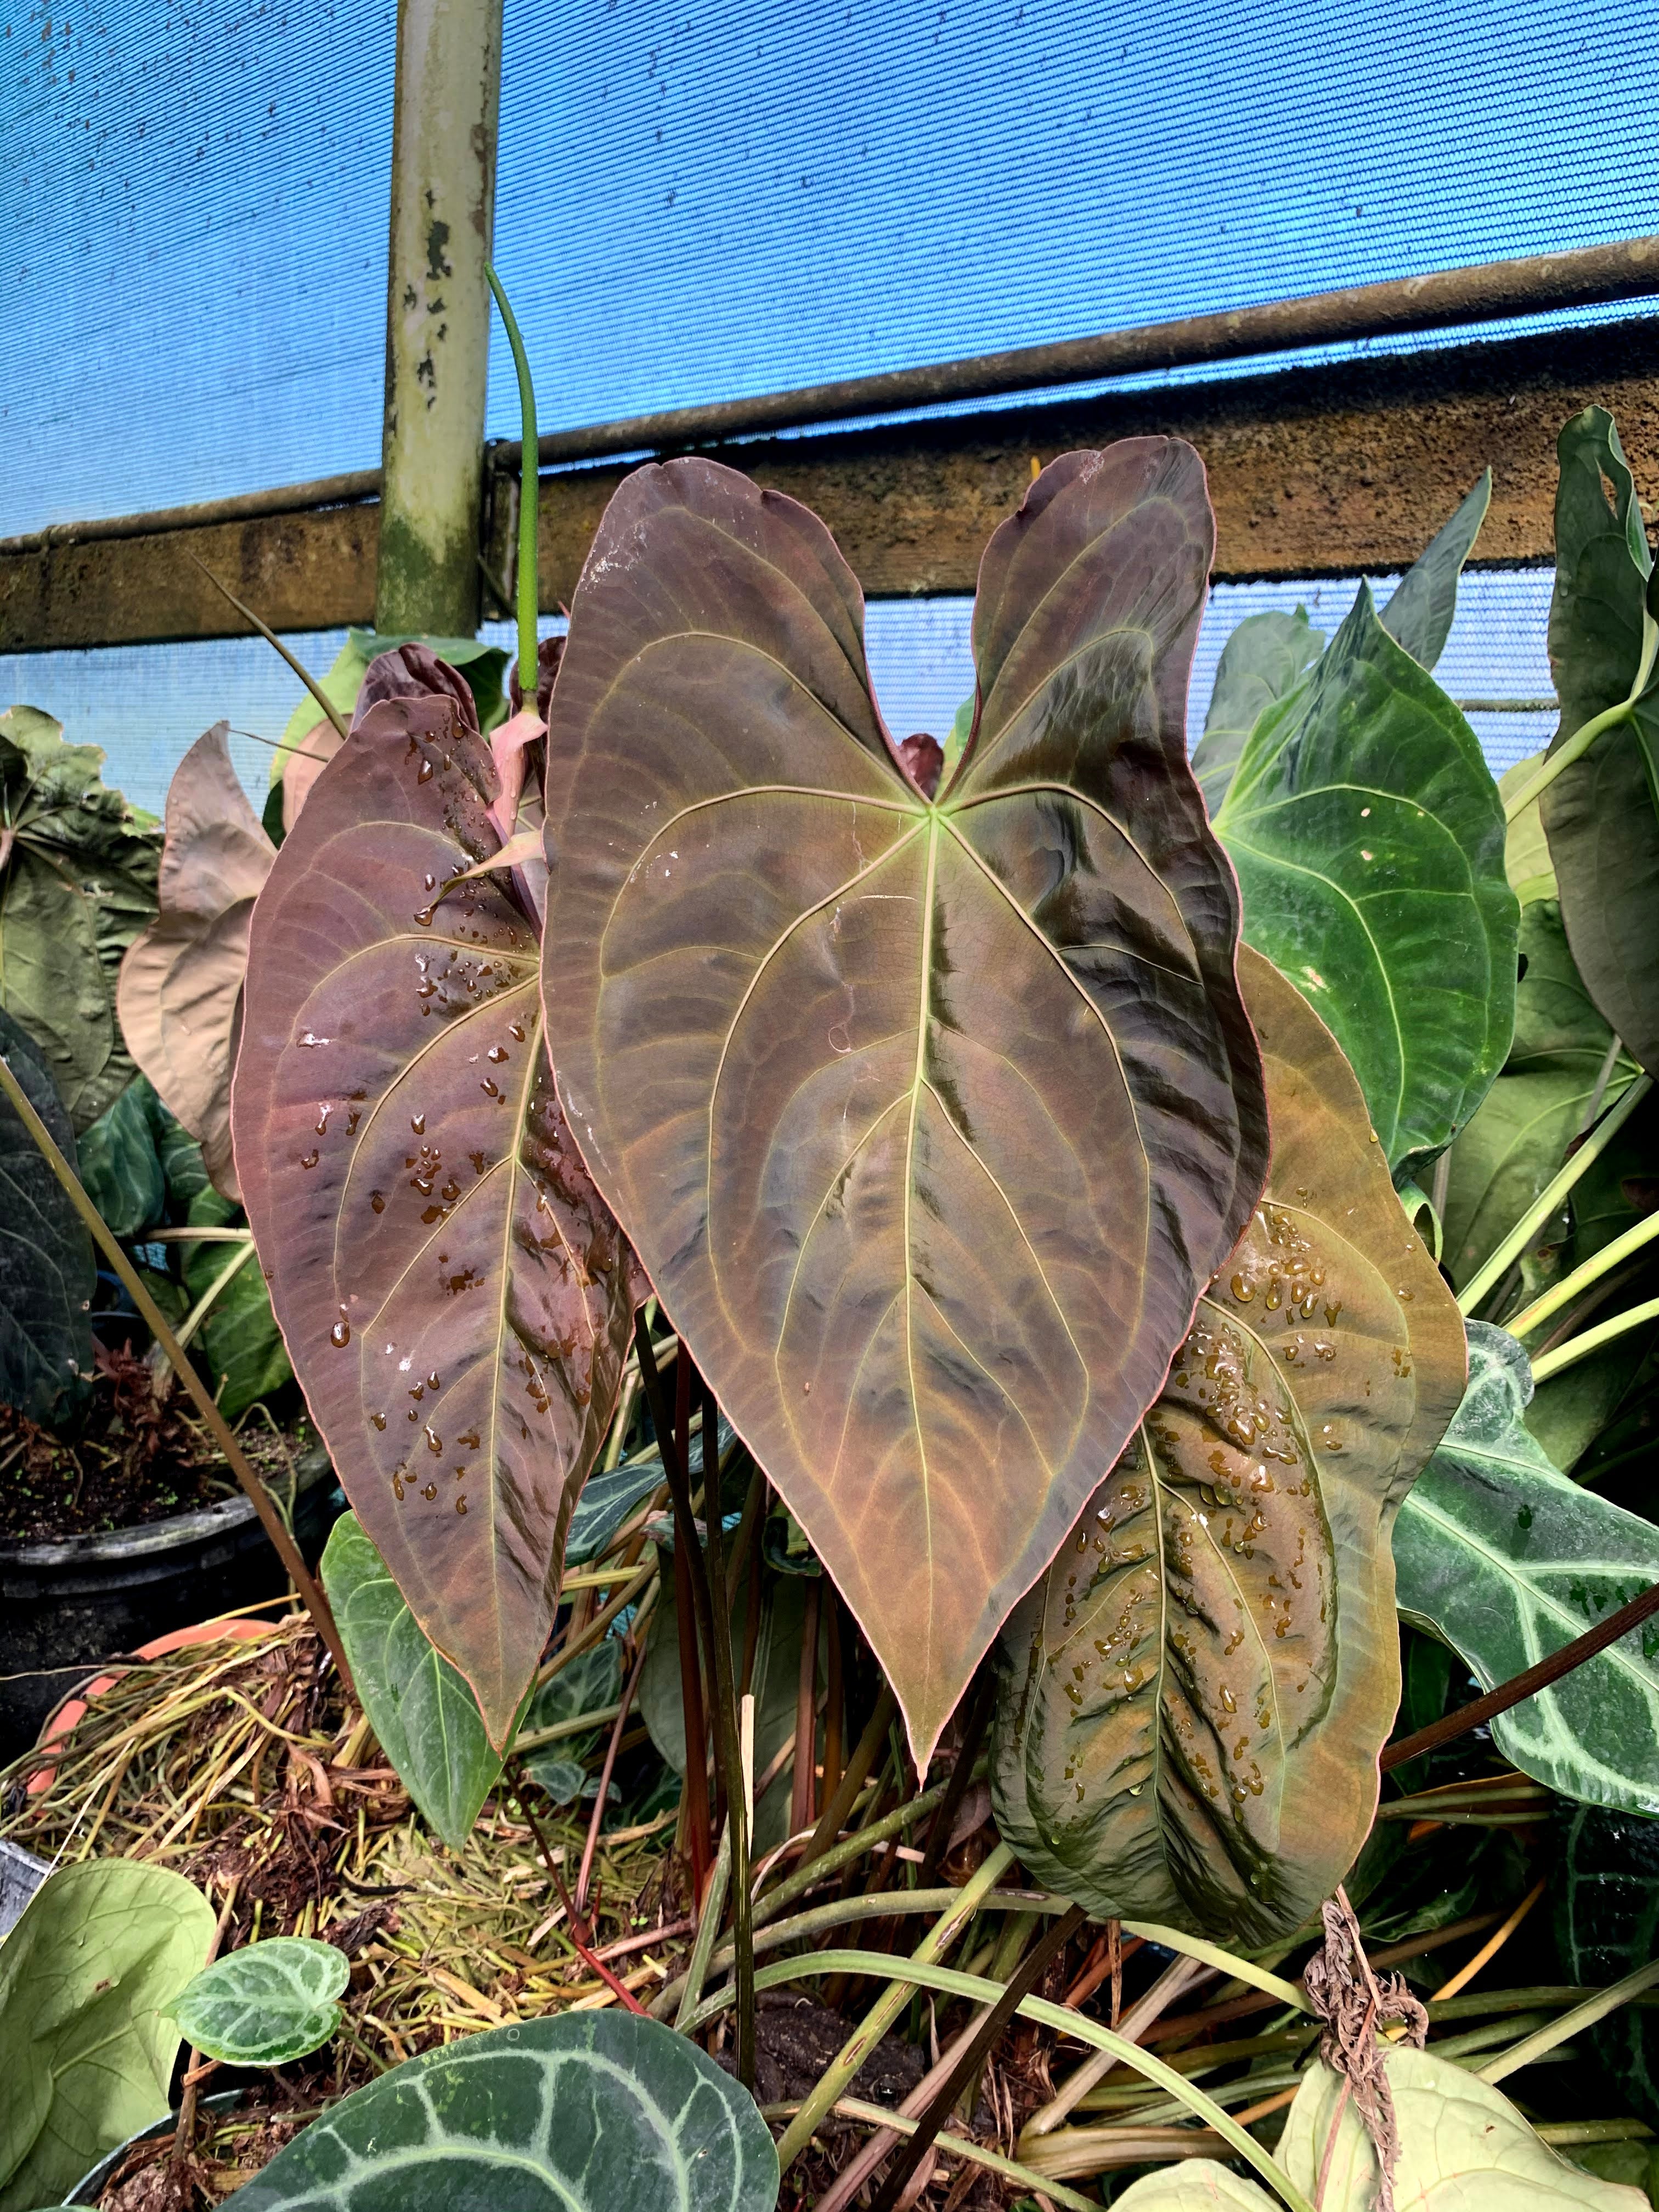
x,y
203,1305
1025,2177
713,1904
1584,738
529,493
837,2077
920,1973
1551,1198
310,1595
1580,1348
1568,2024
1599,1264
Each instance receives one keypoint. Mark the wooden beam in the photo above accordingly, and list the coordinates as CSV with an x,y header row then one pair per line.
x,y
1312,472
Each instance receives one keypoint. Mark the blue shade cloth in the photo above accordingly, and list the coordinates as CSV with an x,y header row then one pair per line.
x,y
146,704
698,202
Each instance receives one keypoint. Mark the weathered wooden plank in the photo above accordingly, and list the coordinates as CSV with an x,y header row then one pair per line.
x,y
1312,471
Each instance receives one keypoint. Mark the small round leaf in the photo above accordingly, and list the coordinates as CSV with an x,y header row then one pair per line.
x,y
266,2004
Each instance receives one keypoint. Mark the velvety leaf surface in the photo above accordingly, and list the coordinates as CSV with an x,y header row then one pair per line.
x,y
77,883
1192,1700
1418,616
424,1716
1368,840
1507,1560
455,1298
47,1276
1607,1925
587,2113
86,2050
119,1164
266,2004
181,983
1263,662
928,1120
1517,1140
1601,814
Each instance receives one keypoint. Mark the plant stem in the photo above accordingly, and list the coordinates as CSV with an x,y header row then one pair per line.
x,y
729,1743
288,1551
1549,1200
1585,736
858,1768
597,1820
709,1922
975,1723
1592,1339
529,497
203,1305
1599,1263
963,2147
888,2006
342,728
1560,2030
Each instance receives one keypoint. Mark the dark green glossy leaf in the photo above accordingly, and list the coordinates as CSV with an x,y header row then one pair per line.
x,y
932,1111
47,1272
1607,1925
1601,813
598,2112
426,1718
610,1495
266,2004
86,2047
1499,1554
1191,1702
1265,659
1368,840
77,883
1419,614
1518,1138
591,1682
120,1165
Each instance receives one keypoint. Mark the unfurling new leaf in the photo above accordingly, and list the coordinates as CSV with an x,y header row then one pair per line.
x,y
1192,1700
929,1116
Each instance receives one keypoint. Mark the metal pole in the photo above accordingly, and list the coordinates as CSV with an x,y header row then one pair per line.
x,y
447,101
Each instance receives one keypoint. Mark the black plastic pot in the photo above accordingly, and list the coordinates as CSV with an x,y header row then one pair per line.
x,y
65,1606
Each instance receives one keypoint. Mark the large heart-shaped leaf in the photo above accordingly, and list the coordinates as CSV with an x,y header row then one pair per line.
x,y
1601,813
86,2050
1607,1925
589,2112
77,883
181,983
1192,1700
47,1272
929,1119
1266,659
1518,1138
455,1297
1507,1560
1463,2147
1368,840
424,1716
267,2003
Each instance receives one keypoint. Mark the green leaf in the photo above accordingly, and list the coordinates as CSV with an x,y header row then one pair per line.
x,y
609,1495
77,883
1463,2147
242,1343
1191,1701
1518,1138
1266,658
266,2004
426,1718
591,1682
1601,813
1369,841
589,2112
1606,1924
1501,1556
484,667
1419,614
47,1274
775,1683
120,1165
85,2052
1526,861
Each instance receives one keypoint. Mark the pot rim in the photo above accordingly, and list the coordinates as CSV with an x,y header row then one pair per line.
x,y
146,1538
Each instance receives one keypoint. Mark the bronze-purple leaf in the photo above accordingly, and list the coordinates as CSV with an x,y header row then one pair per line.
x,y
455,1295
929,1117
181,990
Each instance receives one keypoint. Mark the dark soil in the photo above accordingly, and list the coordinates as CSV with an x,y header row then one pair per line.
x,y
132,1458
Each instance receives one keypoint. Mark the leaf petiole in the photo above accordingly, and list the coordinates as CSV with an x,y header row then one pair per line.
x,y
529,492
1585,736
1592,1339
1599,1264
